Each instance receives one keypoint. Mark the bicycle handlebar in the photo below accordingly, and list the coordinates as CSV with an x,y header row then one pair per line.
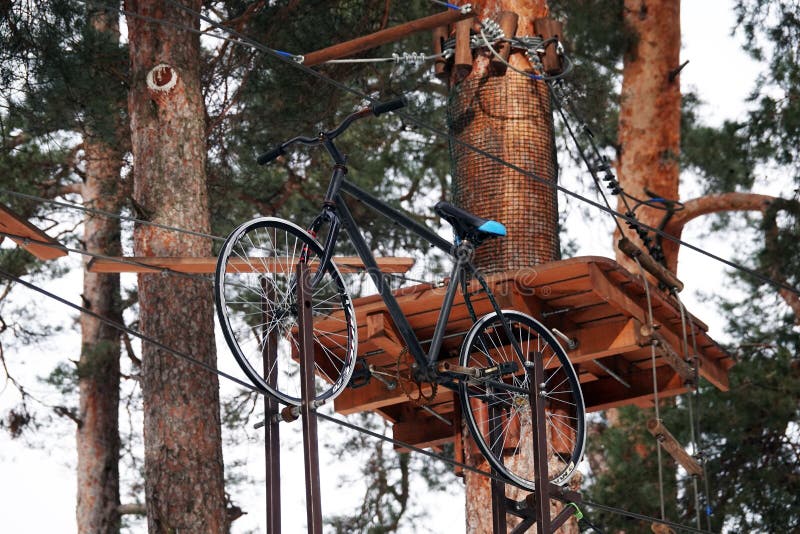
x,y
376,109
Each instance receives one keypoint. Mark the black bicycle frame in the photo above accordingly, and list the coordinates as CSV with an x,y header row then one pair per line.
x,y
336,213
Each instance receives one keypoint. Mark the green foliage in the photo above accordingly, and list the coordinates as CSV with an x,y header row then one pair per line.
x,y
276,101
772,29
389,498
596,39
754,471
64,378
627,472
702,147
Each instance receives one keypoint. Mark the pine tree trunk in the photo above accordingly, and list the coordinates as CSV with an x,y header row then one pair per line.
x,y
98,370
650,113
183,453
97,436
509,116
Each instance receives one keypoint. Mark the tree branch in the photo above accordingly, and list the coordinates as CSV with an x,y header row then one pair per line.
x,y
709,204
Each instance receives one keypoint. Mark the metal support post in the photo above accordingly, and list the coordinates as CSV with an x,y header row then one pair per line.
x,y
495,414
541,497
308,409
272,440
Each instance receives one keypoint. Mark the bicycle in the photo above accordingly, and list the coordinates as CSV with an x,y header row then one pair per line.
x,y
255,287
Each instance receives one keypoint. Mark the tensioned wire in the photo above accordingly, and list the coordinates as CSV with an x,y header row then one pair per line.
x,y
191,359
292,60
282,55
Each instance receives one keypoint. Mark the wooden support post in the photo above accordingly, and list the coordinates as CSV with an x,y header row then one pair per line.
x,y
548,28
661,273
673,447
308,410
508,23
382,37
462,63
440,63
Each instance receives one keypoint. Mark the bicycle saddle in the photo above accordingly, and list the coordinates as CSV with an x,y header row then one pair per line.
x,y
466,225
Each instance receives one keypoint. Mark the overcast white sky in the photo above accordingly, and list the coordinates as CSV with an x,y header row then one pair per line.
x,y
37,484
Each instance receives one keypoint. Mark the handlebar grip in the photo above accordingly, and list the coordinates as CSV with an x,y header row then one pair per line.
x,y
380,108
266,157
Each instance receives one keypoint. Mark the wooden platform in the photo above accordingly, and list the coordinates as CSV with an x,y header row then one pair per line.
x,y
591,299
29,237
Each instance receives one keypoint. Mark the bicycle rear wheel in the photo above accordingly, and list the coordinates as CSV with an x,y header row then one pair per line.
x,y
497,407
255,287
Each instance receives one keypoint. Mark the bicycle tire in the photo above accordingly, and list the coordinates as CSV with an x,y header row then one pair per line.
x,y
255,292
510,452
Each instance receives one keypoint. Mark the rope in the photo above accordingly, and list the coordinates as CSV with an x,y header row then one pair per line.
x,y
131,331
693,435
115,259
697,436
651,326
95,211
323,416
246,41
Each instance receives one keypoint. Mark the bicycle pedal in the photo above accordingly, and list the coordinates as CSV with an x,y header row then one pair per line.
x,y
503,368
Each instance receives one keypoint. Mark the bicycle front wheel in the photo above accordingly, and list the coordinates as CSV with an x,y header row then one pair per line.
x,y
497,406
255,287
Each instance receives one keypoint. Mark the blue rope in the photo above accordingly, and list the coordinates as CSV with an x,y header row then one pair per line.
x,y
447,4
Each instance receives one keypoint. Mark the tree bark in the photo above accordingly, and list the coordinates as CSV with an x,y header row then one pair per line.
x,y
98,370
183,453
650,113
508,115
97,436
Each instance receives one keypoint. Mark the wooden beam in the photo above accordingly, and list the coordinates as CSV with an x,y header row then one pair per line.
x,y
508,23
29,237
389,35
140,264
673,447
423,432
621,301
674,360
605,340
382,335
606,392
376,395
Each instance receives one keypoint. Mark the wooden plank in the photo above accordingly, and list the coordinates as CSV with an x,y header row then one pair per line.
x,y
649,264
375,395
382,333
617,299
671,357
423,432
389,35
607,393
140,264
29,237
462,58
605,340
674,448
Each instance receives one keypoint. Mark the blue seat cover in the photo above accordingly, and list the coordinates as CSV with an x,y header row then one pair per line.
x,y
493,227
